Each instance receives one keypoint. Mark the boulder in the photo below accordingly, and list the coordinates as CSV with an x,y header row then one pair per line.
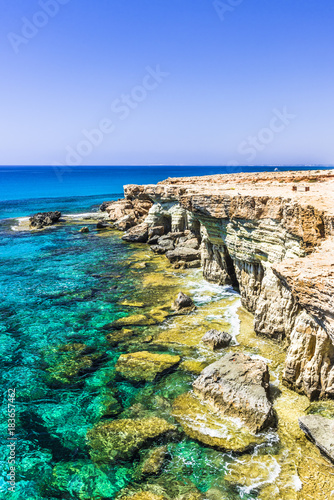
x,y
84,230
121,439
216,340
201,423
238,386
186,254
137,234
156,231
43,219
145,366
183,302
320,431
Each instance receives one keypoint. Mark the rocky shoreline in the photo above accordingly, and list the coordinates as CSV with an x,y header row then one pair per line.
x,y
276,250
238,401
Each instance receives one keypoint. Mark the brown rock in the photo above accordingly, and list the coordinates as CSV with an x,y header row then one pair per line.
x,y
238,386
137,234
183,301
216,340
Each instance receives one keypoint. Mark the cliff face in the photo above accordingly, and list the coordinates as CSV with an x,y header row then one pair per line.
x,y
274,243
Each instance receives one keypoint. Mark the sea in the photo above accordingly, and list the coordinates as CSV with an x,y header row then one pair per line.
x,y
60,289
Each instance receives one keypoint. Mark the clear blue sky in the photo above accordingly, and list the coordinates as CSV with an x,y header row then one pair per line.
x,y
233,68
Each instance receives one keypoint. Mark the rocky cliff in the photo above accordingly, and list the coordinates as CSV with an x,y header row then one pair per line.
x,y
270,235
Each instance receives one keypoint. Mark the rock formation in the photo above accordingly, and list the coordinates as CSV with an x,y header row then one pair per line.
x,y
44,219
320,431
270,241
216,340
238,386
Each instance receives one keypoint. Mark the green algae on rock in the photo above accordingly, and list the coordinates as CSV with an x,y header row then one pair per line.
x,y
153,462
121,439
199,422
120,336
193,366
145,365
134,320
133,303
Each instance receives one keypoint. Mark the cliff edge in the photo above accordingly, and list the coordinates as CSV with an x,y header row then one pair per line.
x,y
269,234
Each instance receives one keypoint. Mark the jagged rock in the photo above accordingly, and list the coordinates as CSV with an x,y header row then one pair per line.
x,y
183,302
137,234
121,439
103,207
126,213
43,219
84,230
320,431
217,340
186,254
201,423
145,365
156,231
160,249
238,386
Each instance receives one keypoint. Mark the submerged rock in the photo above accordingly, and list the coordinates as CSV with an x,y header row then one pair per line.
x,y
216,340
238,386
183,302
153,462
43,219
134,320
320,431
84,229
200,422
145,365
144,495
119,336
132,303
137,234
121,439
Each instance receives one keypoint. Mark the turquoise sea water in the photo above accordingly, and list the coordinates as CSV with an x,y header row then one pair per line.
x,y
59,288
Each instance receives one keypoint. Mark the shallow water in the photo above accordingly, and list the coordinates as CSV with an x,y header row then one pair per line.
x,y
59,289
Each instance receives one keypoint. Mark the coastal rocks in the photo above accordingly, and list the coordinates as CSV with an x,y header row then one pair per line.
x,y
121,439
84,229
144,495
44,219
309,361
145,366
238,386
216,340
183,303
183,254
126,213
137,234
213,429
320,431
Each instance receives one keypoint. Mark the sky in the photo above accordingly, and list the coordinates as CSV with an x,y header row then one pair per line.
x,y
182,82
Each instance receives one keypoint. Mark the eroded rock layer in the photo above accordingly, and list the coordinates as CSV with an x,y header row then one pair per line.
x,y
271,236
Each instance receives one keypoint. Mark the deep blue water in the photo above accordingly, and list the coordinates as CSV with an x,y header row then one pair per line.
x,y
64,188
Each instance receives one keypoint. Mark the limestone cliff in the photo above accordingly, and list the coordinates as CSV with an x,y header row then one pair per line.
x,y
270,235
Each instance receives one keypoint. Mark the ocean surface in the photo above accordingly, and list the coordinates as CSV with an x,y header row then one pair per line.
x,y
59,290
